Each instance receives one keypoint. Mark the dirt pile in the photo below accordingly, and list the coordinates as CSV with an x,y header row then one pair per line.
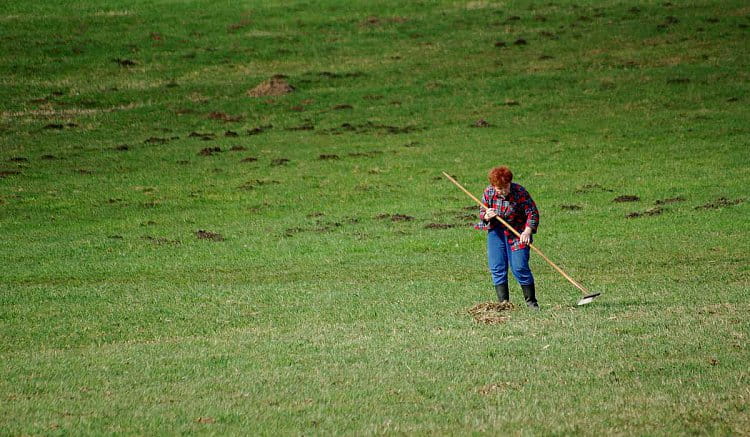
x,y
395,217
626,198
208,235
275,86
721,202
649,212
670,200
491,313
223,116
440,226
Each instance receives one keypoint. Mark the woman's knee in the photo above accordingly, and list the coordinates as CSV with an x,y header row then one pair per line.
x,y
524,276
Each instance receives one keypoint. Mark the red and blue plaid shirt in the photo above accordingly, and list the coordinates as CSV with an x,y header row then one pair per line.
x,y
522,212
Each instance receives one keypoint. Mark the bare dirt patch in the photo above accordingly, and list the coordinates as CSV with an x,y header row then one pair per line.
x,y
275,86
374,21
59,126
237,149
481,123
207,235
496,388
223,116
18,159
721,202
491,313
231,134
208,136
331,75
649,212
670,200
548,34
439,226
668,21
48,157
160,241
303,126
6,173
321,226
626,198
159,140
259,129
249,159
571,207
395,217
280,161
371,154
588,188
370,127
209,151
324,157
249,185
243,23
125,62
290,232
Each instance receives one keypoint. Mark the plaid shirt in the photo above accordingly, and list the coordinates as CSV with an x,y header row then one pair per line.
x,y
521,212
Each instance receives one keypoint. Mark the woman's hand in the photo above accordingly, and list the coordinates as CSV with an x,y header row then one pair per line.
x,y
526,236
489,214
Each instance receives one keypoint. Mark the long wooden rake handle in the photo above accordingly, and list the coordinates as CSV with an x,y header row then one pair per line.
x,y
559,270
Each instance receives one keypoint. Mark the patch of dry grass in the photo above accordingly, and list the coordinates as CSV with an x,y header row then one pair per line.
x,y
491,313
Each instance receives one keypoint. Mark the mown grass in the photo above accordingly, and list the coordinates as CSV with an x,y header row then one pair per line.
x,y
319,314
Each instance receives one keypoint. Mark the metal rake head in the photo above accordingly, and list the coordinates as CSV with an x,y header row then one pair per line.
x,y
588,299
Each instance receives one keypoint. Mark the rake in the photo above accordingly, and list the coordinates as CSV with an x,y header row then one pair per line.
x,y
588,297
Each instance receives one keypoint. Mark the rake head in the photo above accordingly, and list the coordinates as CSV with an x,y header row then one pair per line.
x,y
588,299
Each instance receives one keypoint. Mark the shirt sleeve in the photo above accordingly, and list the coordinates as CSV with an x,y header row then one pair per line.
x,y
486,201
531,211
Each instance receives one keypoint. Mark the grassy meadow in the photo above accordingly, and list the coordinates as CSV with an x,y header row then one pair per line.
x,y
179,256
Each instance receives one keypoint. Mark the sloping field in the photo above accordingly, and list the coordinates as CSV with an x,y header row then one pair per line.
x,y
229,217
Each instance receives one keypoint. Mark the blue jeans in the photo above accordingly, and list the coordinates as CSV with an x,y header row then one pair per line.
x,y
499,256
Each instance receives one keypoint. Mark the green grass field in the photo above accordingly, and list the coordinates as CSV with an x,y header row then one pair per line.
x,y
305,305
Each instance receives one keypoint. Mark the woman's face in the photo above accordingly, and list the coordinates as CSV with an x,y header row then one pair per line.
x,y
503,190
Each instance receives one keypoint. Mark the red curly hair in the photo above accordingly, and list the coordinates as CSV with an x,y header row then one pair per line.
x,y
499,176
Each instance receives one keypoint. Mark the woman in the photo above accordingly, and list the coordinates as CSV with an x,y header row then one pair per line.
x,y
512,203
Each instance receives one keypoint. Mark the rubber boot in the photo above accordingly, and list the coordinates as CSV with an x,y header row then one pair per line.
x,y
529,294
502,292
